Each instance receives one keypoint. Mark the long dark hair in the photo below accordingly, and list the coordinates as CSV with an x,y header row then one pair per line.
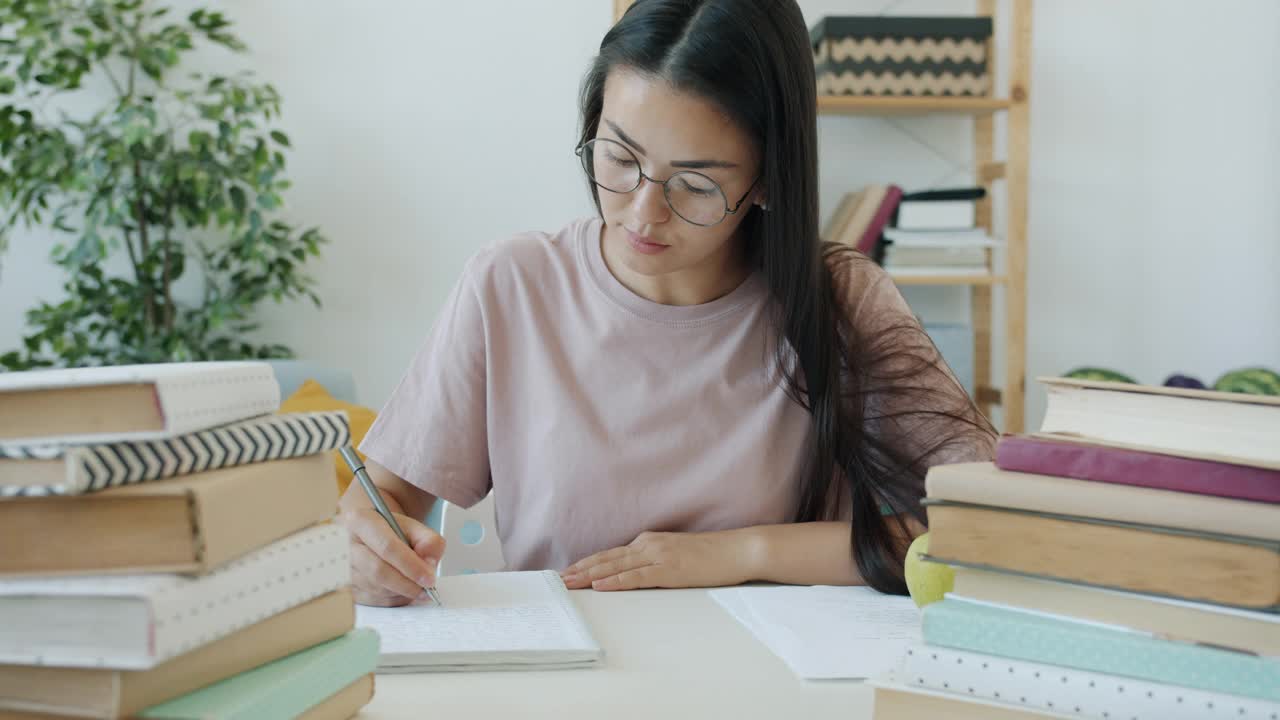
x,y
875,402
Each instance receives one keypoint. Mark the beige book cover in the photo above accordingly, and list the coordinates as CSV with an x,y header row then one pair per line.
x,y
1180,563
985,484
188,524
1226,427
127,402
1253,632
868,203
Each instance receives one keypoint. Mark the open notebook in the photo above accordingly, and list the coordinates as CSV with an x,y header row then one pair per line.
x,y
490,621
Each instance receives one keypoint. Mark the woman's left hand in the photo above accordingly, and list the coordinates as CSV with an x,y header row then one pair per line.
x,y
671,560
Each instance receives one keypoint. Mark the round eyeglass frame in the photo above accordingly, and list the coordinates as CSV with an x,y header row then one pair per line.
x,y
581,152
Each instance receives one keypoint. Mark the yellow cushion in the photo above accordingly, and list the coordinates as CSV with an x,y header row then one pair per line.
x,y
313,397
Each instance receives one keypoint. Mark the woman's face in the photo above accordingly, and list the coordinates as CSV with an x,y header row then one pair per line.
x,y
667,132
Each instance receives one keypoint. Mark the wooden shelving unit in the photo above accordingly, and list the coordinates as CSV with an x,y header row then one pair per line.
x,y
1012,169
856,105
959,279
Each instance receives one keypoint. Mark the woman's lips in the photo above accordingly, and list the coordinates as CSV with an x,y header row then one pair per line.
x,y
645,245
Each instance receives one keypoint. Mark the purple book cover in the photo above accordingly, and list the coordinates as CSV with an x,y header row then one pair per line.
x,y
879,221
1133,467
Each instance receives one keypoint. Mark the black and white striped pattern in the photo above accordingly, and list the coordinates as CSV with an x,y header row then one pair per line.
x,y
91,468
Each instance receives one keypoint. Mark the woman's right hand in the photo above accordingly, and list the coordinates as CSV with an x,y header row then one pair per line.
x,y
385,571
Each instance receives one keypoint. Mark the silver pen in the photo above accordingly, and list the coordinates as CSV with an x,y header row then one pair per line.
x,y
375,497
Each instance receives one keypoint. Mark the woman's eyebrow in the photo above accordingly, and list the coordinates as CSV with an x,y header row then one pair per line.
x,y
692,164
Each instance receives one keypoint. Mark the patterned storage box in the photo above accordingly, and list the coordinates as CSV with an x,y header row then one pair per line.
x,y
902,56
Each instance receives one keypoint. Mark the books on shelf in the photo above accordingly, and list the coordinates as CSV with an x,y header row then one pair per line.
x,y
194,571
934,232
943,209
940,239
1131,549
941,251
862,216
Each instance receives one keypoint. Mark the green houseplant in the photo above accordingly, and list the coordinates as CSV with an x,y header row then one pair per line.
x,y
166,192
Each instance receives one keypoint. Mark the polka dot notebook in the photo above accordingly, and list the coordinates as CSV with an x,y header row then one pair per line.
x,y
1068,692
994,630
134,622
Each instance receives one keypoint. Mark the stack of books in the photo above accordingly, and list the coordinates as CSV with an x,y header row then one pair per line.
x,y
1123,563
167,550
935,233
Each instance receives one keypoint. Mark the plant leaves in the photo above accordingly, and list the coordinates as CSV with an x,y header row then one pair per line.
x,y
98,178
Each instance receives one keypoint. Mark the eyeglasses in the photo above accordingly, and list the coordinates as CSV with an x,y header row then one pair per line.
x,y
696,198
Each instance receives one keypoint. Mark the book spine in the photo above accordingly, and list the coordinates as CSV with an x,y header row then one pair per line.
x,y
1076,693
91,468
277,577
1133,467
1023,636
867,244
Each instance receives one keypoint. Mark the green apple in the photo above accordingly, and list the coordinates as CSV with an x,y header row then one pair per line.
x,y
926,581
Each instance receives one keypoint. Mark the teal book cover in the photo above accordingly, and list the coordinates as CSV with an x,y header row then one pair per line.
x,y
993,630
282,689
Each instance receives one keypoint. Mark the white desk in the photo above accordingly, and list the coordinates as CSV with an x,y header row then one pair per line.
x,y
669,654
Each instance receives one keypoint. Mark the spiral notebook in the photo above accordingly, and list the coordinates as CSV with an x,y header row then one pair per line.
x,y
490,621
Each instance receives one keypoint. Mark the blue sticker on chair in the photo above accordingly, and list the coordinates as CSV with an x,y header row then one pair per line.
x,y
469,571
471,533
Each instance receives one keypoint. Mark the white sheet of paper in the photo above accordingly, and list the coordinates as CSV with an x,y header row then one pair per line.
x,y
827,633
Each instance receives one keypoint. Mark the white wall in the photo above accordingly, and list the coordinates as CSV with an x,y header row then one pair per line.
x,y
1155,231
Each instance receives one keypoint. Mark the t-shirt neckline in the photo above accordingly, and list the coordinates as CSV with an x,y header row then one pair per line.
x,y
589,246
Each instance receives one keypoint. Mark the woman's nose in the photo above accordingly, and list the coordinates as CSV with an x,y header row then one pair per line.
x,y
649,203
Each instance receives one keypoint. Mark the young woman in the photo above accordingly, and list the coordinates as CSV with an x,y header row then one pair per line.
x,y
690,389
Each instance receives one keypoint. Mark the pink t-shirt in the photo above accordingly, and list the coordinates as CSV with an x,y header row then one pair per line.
x,y
593,414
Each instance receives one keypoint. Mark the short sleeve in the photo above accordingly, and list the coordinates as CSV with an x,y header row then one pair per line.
x,y
909,399
433,430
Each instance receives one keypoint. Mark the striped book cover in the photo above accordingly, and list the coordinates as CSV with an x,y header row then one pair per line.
x,y
992,630
30,470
